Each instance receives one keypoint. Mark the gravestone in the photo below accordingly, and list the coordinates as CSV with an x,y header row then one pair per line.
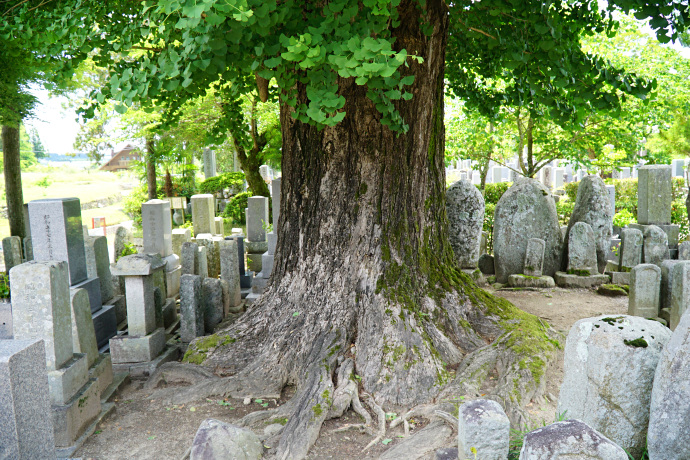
x,y
611,190
684,250
267,259
592,206
654,195
257,218
144,341
41,310
191,308
666,285
203,213
678,167
98,264
645,280
680,292
655,246
559,178
483,430
209,160
582,254
534,257
190,259
526,210
212,294
28,249
122,236
179,237
26,431
465,211
631,249
230,270
157,227
548,176
569,439
12,251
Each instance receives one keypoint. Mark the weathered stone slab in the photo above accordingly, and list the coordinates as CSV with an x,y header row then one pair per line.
x,y
684,250
157,227
654,194
631,249
70,420
672,232
526,210
41,308
98,265
275,197
566,280
483,430
569,439
534,257
26,429
212,293
582,252
215,439
6,320
666,283
203,213
105,324
57,234
655,246
609,364
680,291
257,218
465,211
190,258
645,281
179,237
209,161
92,286
138,265
531,281
229,270
83,331
191,308
593,206
128,349
669,418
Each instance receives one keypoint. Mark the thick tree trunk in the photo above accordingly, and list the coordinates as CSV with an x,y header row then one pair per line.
x,y
13,180
151,170
363,270
250,166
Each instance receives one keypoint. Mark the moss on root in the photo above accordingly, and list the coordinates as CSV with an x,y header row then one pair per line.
x,y
199,349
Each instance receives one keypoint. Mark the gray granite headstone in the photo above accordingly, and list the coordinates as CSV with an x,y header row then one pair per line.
x,y
654,195
26,423
534,257
645,280
41,308
275,197
465,211
684,250
203,213
229,270
611,190
191,308
212,293
631,249
666,283
179,237
582,253
157,226
98,265
655,247
209,159
680,291
83,331
190,258
483,430
57,234
257,218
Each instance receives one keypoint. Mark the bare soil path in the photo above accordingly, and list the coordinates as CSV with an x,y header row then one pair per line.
x,y
144,428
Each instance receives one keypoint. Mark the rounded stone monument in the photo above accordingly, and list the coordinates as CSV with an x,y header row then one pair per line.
x,y
526,210
465,210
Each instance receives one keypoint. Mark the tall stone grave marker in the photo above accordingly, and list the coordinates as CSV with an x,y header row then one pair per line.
x,y
209,159
203,213
631,249
157,227
41,310
680,291
230,271
191,308
26,431
645,280
654,195
655,246
465,211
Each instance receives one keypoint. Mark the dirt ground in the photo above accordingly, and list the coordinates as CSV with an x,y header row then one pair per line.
x,y
144,428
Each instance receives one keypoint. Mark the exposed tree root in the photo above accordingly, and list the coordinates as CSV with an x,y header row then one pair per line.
x,y
174,372
382,421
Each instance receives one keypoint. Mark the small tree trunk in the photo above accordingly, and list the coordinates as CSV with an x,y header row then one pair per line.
x,y
530,147
250,166
151,169
168,183
13,180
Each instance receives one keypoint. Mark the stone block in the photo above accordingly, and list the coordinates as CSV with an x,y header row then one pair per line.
x,y
203,262
655,246
486,264
57,234
98,264
272,240
156,223
256,247
531,281
83,332
631,249
566,280
254,262
28,249
203,213
654,194
684,250
680,291
179,237
645,280
190,258
534,257
65,382
229,270
275,198
92,286
219,226
267,265
102,372
465,211
209,161
672,232
126,349
141,306
41,308
191,308
26,429
483,430
582,251
105,324
666,283
169,312
120,307
71,420
6,320
569,439
172,281
212,293
122,236
619,278
257,218
12,251
138,265
215,439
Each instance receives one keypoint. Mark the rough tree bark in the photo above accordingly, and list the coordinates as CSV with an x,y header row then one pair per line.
x,y
13,179
364,280
151,169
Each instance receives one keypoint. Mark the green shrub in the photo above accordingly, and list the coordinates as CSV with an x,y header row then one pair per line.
x,y
128,250
622,218
4,286
235,208
231,180
132,203
182,186
678,189
679,216
494,192
571,190
564,208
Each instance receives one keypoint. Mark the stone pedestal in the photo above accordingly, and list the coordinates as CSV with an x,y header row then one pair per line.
x,y
566,280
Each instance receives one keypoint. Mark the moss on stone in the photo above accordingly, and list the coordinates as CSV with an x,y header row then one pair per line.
x,y
579,272
640,343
